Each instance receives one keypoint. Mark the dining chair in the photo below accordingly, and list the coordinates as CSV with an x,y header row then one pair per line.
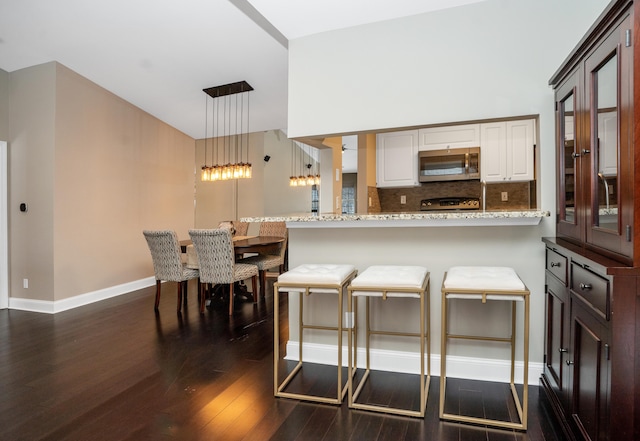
x,y
242,228
167,262
217,262
265,262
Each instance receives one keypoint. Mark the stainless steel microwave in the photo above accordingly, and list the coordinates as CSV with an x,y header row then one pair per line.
x,y
455,164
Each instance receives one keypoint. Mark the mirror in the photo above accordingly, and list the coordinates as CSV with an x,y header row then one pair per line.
x,y
568,130
604,145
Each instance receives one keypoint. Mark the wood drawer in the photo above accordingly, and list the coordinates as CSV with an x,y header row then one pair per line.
x,y
592,289
557,265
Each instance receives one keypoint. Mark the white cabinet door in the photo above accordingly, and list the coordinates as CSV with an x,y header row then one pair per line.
x,y
520,141
493,152
436,138
397,159
506,151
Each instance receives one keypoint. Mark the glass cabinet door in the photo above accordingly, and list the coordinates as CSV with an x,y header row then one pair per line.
x,y
607,79
568,142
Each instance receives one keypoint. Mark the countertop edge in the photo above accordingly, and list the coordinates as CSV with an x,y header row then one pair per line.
x,y
419,219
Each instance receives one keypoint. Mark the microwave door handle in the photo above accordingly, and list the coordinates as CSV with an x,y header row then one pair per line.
x,y
466,163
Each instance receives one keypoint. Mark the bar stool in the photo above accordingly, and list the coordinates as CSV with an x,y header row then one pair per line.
x,y
390,281
311,279
486,283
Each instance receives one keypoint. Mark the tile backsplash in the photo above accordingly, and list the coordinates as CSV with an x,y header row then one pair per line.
x,y
521,195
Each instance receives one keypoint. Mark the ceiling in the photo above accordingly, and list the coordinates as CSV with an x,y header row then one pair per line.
x,y
160,54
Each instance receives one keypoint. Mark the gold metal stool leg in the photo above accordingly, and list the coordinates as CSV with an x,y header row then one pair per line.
x,y
423,336
522,408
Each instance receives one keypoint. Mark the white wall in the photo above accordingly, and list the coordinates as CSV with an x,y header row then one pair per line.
x,y
487,60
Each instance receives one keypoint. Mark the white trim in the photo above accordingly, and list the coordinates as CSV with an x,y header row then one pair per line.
x,y
79,300
485,369
4,228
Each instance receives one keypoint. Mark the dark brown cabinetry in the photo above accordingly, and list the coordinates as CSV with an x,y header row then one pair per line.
x,y
592,331
592,365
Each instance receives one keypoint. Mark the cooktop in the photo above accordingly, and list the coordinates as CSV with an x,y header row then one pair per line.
x,y
450,203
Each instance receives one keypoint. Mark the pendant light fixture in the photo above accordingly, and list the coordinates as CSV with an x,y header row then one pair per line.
x,y
298,165
230,131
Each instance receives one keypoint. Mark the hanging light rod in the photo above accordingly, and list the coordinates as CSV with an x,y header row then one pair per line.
x,y
228,89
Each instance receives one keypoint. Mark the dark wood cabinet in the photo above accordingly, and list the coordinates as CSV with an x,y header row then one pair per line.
x,y
595,138
591,370
592,365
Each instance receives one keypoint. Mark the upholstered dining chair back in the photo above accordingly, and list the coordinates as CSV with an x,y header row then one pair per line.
x,y
167,262
215,254
165,253
242,228
278,229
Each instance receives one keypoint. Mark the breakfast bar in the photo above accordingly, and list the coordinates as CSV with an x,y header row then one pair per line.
x,y
438,241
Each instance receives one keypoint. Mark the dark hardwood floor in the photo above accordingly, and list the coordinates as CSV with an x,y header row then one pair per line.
x,y
115,370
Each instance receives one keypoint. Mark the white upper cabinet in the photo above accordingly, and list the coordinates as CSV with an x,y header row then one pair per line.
x,y
397,159
507,151
437,138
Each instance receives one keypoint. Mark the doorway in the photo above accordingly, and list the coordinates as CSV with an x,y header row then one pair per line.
x,y
4,228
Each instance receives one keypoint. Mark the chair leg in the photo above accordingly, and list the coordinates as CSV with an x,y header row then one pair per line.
x,y
179,296
157,295
185,290
263,282
231,298
254,283
202,296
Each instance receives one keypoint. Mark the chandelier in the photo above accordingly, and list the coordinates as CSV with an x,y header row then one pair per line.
x,y
313,173
230,132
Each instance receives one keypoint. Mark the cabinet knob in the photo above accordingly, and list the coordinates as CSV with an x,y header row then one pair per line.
x,y
585,286
569,362
586,151
561,350
553,264
575,155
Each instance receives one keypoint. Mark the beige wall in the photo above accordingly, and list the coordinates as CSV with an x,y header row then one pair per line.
x,y
95,171
31,180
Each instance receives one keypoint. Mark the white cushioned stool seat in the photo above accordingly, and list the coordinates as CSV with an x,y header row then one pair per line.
x,y
387,278
486,283
387,282
313,276
499,278
308,279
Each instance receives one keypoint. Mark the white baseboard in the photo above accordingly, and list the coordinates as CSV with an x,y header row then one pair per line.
x,y
51,307
485,369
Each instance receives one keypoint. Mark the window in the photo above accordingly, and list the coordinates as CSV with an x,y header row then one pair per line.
x,y
348,200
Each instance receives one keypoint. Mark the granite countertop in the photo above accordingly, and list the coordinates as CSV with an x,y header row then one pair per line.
x,y
419,218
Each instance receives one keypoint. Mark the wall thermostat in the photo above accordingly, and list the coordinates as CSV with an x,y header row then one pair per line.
x,y
23,207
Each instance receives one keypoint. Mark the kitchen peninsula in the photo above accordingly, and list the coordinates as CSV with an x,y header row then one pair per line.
x,y
496,238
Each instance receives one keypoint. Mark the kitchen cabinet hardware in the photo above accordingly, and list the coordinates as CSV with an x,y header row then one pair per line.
x,y
585,286
561,350
554,264
569,362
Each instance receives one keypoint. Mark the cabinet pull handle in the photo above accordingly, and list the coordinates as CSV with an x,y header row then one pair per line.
x,y
585,286
561,350
555,264
569,362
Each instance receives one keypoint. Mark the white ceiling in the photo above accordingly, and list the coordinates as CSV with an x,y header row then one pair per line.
x,y
160,54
